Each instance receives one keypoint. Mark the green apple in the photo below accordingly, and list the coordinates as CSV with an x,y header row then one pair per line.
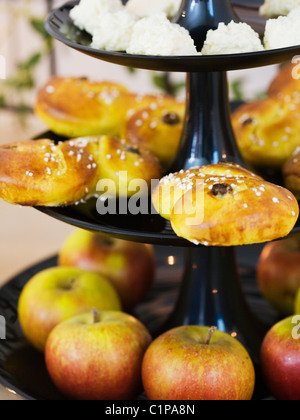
x,y
129,266
197,363
278,274
98,356
57,294
280,359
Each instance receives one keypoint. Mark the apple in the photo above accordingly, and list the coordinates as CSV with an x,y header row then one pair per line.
x,y
57,294
280,359
98,356
197,363
129,266
278,274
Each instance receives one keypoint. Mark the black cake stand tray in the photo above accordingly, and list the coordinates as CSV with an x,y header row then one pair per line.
x,y
211,291
207,138
59,25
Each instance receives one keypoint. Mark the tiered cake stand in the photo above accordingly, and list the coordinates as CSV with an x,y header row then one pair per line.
x,y
211,292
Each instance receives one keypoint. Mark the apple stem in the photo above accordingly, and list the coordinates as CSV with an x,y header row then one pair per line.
x,y
211,332
96,316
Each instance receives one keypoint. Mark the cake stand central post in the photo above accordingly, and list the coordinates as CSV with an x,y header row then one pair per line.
x,y
208,135
211,292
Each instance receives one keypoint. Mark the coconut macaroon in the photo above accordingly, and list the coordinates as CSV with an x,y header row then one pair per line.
x,y
144,8
114,31
275,8
234,38
86,14
283,32
156,35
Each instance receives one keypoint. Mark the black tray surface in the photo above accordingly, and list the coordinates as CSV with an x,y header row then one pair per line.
x,y
23,370
59,25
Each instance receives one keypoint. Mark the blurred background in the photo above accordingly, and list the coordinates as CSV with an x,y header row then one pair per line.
x,y
28,58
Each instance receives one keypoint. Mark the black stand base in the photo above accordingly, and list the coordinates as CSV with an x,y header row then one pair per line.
x,y
211,294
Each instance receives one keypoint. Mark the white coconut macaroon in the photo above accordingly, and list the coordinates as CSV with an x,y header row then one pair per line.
x,y
234,38
275,8
157,36
144,8
86,14
283,32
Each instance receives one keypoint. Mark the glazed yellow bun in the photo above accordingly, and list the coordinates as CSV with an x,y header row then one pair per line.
x,y
42,173
267,131
225,205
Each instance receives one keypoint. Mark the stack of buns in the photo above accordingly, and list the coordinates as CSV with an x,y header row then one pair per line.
x,y
75,107
116,132
108,138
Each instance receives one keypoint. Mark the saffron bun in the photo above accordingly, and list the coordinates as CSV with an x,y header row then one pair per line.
x,y
173,186
291,173
267,131
127,167
158,128
79,107
75,107
286,82
41,173
228,208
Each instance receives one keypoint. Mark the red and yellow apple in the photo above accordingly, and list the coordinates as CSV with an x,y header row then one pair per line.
x,y
197,363
98,356
129,266
57,294
278,274
280,359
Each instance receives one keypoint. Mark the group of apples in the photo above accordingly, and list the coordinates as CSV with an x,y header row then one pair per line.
x,y
74,313
77,314
278,276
